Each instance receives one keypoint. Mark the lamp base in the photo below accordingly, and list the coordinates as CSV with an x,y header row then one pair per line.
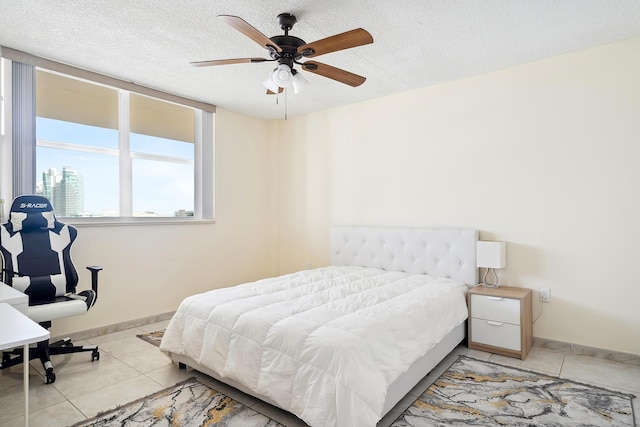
x,y
488,284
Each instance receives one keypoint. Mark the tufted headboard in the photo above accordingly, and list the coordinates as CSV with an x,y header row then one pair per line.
x,y
443,252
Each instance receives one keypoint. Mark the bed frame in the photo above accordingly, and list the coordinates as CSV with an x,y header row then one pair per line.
x,y
443,252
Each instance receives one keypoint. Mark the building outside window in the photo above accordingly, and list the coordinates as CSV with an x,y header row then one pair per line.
x,y
65,191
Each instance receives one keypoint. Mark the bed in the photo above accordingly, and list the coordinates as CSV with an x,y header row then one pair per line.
x,y
337,345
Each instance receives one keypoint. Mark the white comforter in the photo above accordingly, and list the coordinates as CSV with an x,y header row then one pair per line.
x,y
323,344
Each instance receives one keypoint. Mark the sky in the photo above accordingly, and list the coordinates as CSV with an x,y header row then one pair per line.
x,y
160,187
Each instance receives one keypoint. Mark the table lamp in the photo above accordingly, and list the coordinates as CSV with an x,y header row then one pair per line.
x,y
491,255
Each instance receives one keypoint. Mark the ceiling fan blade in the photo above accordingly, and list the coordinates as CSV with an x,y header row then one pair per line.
x,y
245,28
353,38
227,61
334,73
280,90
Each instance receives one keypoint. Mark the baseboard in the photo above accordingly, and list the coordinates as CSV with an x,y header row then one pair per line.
x,y
576,349
116,327
583,350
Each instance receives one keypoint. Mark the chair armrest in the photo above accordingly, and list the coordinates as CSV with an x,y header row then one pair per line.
x,y
94,269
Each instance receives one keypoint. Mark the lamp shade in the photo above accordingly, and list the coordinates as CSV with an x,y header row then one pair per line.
x,y
491,254
299,82
271,85
282,76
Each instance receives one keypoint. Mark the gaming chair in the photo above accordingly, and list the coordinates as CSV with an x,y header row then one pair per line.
x,y
36,260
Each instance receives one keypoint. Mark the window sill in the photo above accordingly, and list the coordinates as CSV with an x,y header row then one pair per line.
x,y
122,221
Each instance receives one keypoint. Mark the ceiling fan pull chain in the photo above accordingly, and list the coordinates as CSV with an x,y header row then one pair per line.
x,y
285,104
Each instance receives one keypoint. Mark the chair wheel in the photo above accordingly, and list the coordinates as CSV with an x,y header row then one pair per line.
x,y
95,355
50,377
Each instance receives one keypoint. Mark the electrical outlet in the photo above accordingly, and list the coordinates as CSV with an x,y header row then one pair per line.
x,y
545,294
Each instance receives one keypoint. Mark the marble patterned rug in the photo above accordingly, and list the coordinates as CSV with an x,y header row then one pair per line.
x,y
189,403
470,392
152,337
475,392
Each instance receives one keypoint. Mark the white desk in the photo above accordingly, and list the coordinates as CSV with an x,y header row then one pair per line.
x,y
18,330
14,297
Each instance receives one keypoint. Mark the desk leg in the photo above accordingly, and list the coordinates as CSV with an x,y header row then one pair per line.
x,y
26,384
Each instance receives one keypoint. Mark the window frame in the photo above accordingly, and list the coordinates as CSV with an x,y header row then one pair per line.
x,y
203,164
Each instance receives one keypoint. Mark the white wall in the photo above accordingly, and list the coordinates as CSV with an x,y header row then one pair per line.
x,y
148,270
304,195
544,156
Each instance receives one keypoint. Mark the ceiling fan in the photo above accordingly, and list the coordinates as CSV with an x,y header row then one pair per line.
x,y
289,50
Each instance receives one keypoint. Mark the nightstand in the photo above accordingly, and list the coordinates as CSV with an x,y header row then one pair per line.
x,y
500,320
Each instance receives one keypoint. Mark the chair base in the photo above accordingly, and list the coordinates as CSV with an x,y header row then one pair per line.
x,y
42,351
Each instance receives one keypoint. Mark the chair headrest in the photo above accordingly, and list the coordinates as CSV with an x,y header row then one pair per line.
x,y
31,212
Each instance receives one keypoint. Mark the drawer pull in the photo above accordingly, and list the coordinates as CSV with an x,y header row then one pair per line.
x,y
492,323
496,298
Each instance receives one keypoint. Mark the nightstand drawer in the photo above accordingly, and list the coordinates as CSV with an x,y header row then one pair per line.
x,y
497,334
505,310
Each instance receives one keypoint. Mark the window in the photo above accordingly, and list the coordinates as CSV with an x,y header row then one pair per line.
x,y
104,151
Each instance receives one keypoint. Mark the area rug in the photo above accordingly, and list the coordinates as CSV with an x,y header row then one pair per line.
x,y
476,392
152,337
186,404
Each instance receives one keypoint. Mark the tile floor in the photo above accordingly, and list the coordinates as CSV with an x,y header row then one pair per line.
x,y
130,368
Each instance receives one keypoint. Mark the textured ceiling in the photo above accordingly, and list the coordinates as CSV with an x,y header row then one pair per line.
x,y
417,43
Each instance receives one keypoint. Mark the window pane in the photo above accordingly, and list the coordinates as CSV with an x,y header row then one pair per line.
x,y
76,133
78,183
164,147
162,189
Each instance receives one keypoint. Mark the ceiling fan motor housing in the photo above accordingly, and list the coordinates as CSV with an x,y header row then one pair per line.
x,y
289,46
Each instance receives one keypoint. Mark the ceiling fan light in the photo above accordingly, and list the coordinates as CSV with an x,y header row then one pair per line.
x,y
282,76
299,83
270,84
